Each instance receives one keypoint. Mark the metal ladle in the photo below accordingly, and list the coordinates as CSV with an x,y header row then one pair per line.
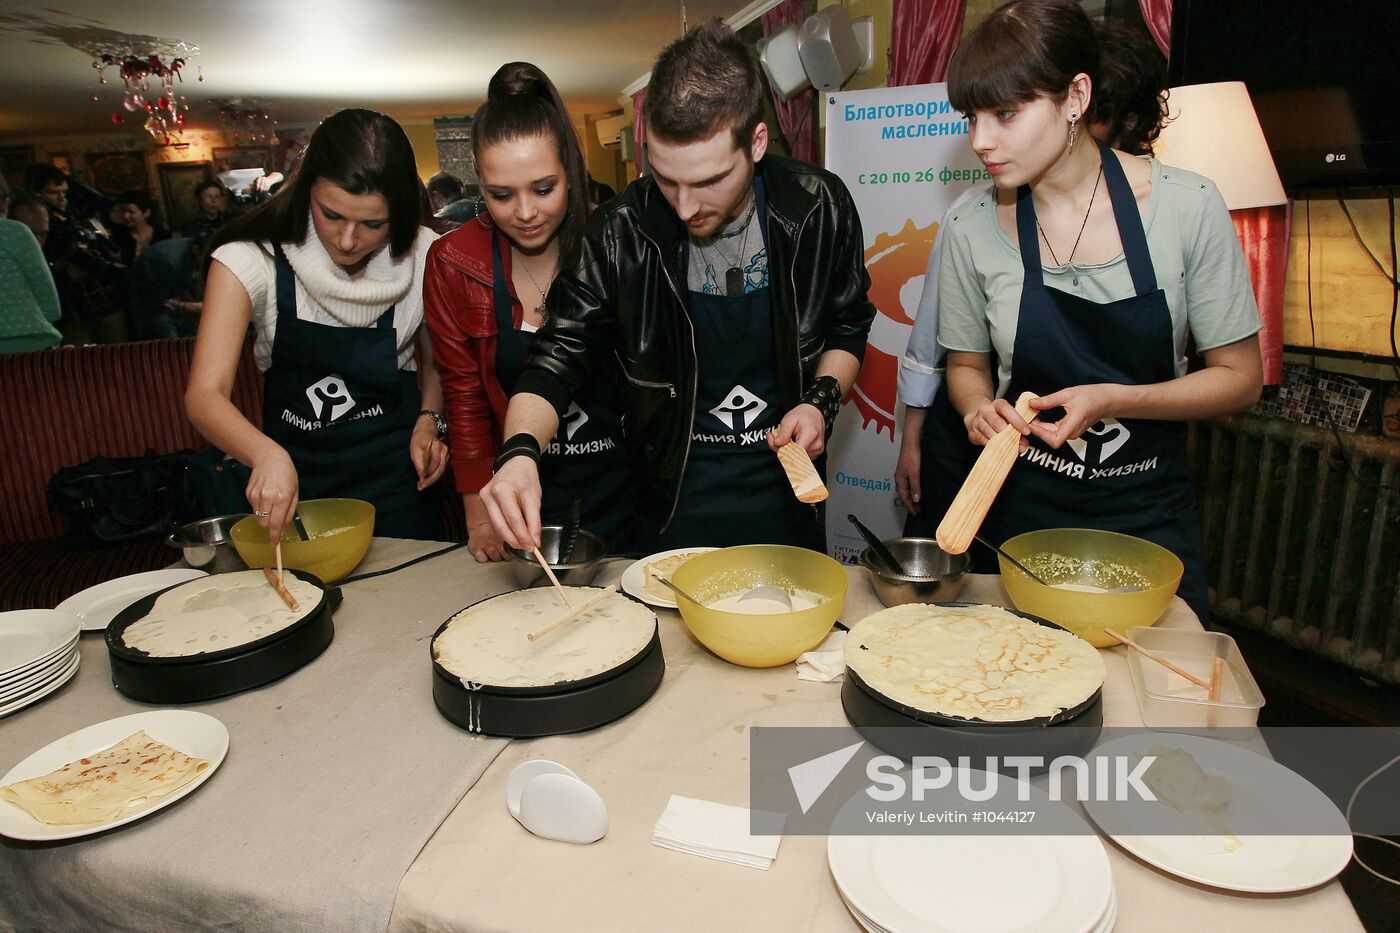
x,y
762,591
1027,571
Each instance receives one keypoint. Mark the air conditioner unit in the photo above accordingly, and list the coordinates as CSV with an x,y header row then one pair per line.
x,y
609,129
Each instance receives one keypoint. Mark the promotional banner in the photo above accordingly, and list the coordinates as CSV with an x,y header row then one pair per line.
x,y
904,154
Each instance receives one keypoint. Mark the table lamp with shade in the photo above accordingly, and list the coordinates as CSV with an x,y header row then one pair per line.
x,y
1213,131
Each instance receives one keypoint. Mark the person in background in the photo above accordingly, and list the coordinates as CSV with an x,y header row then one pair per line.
x,y
28,299
727,292
329,273
448,203
32,211
212,199
141,225
86,264
1129,111
485,292
1141,257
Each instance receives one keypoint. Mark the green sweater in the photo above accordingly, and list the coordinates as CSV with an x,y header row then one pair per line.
x,y
28,299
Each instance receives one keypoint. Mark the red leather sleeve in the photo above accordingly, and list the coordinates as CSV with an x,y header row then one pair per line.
x,y
459,346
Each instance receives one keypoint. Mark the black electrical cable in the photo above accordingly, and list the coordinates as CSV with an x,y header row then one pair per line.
x,y
408,563
1357,233
1329,421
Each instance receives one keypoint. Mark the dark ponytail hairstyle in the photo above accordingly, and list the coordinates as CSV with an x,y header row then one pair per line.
x,y
521,102
363,152
1131,96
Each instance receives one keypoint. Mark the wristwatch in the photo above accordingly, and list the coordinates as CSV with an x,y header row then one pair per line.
x,y
438,420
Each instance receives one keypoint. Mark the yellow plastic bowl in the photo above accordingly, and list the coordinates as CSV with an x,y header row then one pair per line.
x,y
760,640
339,529
1088,614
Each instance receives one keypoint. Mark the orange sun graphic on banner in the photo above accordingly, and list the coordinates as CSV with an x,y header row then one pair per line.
x,y
893,262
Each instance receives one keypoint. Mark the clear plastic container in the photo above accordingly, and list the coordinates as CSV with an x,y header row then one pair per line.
x,y
1172,703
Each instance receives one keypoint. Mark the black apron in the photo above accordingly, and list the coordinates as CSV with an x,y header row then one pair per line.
x,y
1129,476
945,458
587,459
734,490
337,402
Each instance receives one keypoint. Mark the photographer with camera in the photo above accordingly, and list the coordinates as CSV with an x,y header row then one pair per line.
x,y
86,263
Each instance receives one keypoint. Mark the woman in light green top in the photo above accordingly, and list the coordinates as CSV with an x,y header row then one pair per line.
x,y
28,298
1078,277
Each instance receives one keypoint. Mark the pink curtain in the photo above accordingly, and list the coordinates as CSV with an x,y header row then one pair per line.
x,y
1263,232
639,131
1157,14
794,116
923,36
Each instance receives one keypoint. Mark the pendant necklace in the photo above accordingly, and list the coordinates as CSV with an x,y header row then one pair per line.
x,y
544,292
734,274
1075,247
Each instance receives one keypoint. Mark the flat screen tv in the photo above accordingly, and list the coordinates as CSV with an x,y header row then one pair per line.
x,y
1324,78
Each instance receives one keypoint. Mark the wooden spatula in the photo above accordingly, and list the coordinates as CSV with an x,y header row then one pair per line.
x,y
970,506
807,485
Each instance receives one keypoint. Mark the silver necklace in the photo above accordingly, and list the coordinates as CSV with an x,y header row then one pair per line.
x,y
1075,247
544,292
734,274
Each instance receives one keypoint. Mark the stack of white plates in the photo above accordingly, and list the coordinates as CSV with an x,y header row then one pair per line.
x,y
976,884
38,654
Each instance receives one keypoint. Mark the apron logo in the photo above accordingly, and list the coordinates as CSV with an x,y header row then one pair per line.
x,y
330,398
574,419
1100,441
739,409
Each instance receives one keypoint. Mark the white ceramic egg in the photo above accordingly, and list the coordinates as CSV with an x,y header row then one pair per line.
x,y
561,807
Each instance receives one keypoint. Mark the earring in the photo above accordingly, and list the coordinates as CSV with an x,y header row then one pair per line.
x,y
483,217
1073,130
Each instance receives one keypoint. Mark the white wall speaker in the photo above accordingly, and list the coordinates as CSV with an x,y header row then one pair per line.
x,y
828,46
782,63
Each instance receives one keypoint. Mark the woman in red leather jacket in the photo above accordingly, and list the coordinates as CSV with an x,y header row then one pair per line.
x,y
484,294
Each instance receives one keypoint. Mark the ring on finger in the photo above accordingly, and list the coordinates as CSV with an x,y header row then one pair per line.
x,y
262,514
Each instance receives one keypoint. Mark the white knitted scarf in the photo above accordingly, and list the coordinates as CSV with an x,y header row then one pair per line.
x,y
356,302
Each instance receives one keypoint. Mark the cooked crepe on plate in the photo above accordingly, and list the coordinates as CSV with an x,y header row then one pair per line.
x,y
485,644
973,662
218,612
132,775
663,568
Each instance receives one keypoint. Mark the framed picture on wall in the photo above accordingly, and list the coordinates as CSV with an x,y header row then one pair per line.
x,y
177,184
227,158
13,161
63,162
113,173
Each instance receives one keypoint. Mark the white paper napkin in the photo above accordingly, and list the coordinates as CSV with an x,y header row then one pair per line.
x,y
713,830
826,662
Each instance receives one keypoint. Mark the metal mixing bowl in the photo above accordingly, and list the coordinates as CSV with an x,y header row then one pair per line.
x,y
207,544
589,551
931,574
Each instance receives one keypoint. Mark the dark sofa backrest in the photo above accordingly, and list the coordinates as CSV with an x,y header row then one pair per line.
x,y
65,406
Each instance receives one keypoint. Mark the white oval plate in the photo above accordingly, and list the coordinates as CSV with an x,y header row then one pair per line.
x,y
197,734
30,636
935,883
98,605
634,581
57,657
1262,864
66,675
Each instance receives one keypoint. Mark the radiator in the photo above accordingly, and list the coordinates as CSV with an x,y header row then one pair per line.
x,y
1300,545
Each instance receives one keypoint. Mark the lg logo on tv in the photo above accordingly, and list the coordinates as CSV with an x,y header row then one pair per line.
x,y
1336,157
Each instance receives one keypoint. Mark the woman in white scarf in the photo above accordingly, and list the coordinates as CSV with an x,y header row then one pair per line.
x,y
329,273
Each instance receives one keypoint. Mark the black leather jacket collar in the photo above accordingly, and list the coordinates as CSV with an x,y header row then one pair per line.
x,y
626,292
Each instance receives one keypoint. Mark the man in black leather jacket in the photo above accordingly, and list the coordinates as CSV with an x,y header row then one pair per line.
x,y
725,294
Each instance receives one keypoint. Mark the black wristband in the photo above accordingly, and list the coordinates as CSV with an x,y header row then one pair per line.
x,y
517,445
825,396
